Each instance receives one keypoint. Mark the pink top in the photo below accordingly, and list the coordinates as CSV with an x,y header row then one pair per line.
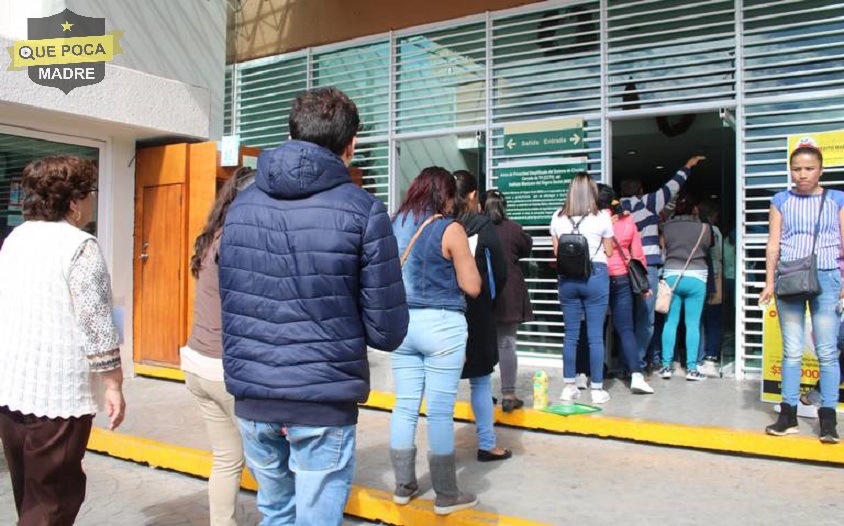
x,y
628,237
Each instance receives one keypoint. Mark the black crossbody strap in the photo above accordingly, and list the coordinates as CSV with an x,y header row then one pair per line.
x,y
818,223
624,258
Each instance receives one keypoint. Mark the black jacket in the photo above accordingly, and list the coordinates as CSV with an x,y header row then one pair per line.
x,y
482,345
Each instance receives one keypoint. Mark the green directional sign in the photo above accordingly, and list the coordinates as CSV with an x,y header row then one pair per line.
x,y
544,136
535,190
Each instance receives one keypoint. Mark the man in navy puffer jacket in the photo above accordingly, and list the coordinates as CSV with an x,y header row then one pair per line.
x,y
309,277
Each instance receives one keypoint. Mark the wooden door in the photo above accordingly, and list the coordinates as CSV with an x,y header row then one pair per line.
x,y
160,308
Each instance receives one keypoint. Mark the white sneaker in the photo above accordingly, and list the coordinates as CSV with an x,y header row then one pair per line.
x,y
570,393
694,376
708,368
638,385
664,373
581,382
599,396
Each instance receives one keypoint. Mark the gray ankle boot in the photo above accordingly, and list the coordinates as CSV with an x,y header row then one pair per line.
x,y
444,479
404,469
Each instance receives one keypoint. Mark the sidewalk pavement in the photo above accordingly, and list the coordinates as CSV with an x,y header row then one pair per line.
x,y
555,479
129,494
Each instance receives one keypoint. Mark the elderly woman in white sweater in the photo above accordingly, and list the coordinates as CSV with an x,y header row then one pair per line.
x,y
59,359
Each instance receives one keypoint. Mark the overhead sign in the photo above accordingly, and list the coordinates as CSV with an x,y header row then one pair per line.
x,y
830,143
535,190
772,360
66,50
544,136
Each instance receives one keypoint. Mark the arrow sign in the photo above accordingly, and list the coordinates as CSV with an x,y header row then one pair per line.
x,y
548,136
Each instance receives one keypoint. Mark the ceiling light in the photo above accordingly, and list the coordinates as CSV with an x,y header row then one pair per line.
x,y
659,167
631,152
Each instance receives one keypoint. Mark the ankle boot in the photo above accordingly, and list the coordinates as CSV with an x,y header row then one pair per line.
x,y
444,479
404,469
828,434
786,424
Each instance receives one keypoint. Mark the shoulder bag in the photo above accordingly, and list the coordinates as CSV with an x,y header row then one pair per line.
x,y
416,236
797,280
638,273
664,292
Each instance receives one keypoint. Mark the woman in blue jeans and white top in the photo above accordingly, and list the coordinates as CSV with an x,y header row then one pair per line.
x,y
793,216
687,241
438,268
591,295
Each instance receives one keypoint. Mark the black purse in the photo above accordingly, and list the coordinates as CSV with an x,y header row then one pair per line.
x,y
797,280
638,273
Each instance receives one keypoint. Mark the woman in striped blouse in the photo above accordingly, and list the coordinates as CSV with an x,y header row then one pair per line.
x,y
793,216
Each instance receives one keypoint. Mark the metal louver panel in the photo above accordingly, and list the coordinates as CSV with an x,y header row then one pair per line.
x,y
663,52
266,90
765,167
792,46
363,73
228,96
373,161
547,64
441,79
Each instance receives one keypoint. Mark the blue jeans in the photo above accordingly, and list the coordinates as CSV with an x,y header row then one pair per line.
x,y
689,297
644,311
621,306
304,473
592,297
825,324
429,361
712,327
483,410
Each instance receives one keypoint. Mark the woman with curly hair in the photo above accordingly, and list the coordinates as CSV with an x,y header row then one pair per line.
x,y
60,361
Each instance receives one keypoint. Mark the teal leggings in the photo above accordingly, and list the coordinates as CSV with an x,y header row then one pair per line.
x,y
688,296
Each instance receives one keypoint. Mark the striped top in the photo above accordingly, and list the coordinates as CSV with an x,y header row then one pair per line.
x,y
799,215
645,211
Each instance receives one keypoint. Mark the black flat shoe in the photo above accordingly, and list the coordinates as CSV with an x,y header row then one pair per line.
x,y
510,404
489,456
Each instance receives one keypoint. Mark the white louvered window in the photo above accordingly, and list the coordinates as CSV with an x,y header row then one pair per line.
x,y
663,52
228,97
547,64
792,47
363,73
441,79
373,160
266,89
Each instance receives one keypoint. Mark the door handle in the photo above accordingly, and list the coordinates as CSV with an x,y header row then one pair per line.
x,y
144,257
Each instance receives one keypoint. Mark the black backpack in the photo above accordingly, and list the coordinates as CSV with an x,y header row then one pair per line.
x,y
573,261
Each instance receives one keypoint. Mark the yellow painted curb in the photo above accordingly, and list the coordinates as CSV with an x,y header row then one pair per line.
x,y
708,438
363,502
161,373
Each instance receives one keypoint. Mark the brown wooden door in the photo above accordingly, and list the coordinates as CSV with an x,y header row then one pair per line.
x,y
160,276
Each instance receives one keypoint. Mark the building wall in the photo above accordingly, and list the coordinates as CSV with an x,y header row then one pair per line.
x,y
179,41
270,27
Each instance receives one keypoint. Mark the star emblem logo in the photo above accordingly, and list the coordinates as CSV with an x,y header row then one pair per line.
x,y
66,26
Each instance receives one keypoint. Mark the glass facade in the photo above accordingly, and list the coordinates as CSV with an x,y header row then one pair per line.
x,y
775,65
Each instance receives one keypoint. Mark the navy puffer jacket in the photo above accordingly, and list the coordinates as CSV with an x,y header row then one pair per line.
x,y
309,276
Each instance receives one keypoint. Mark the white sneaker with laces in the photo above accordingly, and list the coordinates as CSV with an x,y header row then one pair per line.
x,y
708,368
599,396
664,373
570,393
581,382
694,376
638,385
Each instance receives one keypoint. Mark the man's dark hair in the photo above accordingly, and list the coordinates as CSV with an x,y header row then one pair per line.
x,y
326,117
630,187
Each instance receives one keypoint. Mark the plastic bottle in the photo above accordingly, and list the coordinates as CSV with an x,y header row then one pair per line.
x,y
540,390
